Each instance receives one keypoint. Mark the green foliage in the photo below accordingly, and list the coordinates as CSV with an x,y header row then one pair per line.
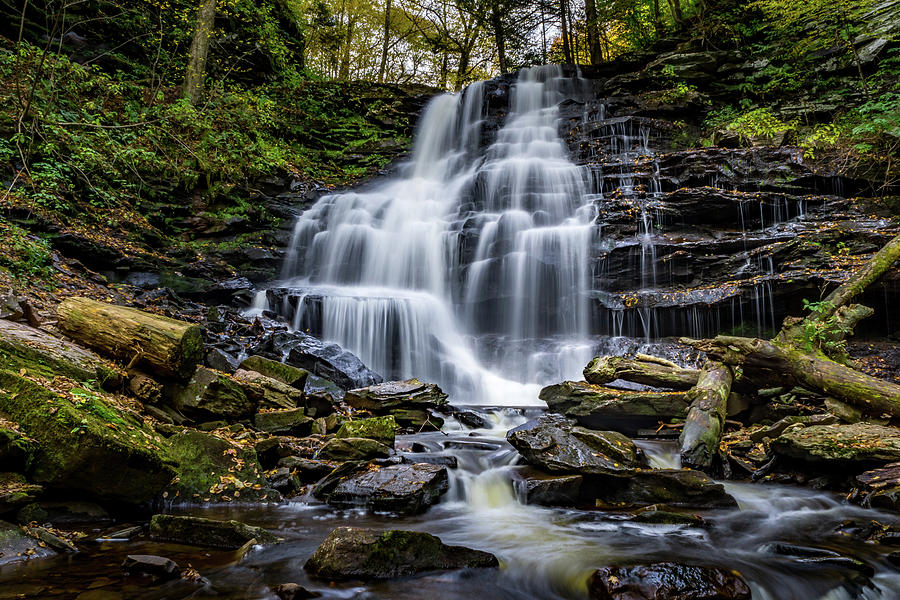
x,y
819,331
758,123
23,255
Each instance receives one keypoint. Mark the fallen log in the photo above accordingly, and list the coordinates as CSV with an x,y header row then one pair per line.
x,y
705,421
162,345
812,371
640,369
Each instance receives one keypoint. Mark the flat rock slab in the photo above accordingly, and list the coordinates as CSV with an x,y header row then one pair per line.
x,y
381,429
158,567
383,397
546,489
16,546
350,553
675,487
406,489
666,580
553,444
35,349
196,531
344,449
859,443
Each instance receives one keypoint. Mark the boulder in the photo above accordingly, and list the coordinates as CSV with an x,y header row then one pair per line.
x,y
197,531
344,449
675,487
626,411
284,422
315,356
272,393
381,429
667,580
879,488
213,468
279,371
538,487
384,397
16,492
405,489
211,395
551,443
416,419
15,545
158,567
307,470
841,445
86,444
63,514
351,553
40,353
294,591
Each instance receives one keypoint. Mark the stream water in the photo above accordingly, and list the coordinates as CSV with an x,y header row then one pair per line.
x,y
471,268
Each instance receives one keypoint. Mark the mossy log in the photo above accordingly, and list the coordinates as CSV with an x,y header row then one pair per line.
x,y
702,431
640,369
811,371
162,345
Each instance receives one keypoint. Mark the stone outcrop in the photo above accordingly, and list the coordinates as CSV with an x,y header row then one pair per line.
x,y
404,489
667,580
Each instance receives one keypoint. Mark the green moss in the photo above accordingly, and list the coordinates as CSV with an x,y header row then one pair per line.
x,y
381,429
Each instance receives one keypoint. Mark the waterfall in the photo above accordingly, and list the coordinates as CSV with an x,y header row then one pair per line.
x,y
468,249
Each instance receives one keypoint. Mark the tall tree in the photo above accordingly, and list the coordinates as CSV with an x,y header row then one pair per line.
x,y
594,48
564,20
196,67
385,43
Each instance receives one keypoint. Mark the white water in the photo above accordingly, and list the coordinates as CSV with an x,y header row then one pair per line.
x,y
399,283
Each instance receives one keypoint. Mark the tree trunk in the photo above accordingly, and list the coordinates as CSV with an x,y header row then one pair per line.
x,y
567,49
812,371
645,370
596,52
677,15
344,74
705,421
382,69
165,346
196,67
499,34
657,21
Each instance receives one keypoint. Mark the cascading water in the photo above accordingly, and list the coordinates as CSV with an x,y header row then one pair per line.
x,y
465,250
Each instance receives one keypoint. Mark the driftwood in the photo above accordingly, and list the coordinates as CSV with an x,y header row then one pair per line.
x,y
641,369
164,346
809,370
705,421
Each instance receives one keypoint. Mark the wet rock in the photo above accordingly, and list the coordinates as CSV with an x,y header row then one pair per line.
x,y
307,469
404,489
210,467
675,487
272,392
51,540
325,360
780,426
158,567
341,472
660,514
129,533
537,487
343,449
220,360
818,557
449,461
272,449
879,488
381,429
63,514
667,580
16,492
843,445
10,308
78,451
40,353
416,419
285,481
294,591
196,531
383,397
553,444
279,371
599,407
349,553
15,545
284,422
212,395
471,419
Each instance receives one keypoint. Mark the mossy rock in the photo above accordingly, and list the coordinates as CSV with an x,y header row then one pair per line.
x,y
15,545
286,374
284,422
351,553
16,492
213,469
841,445
44,355
211,395
88,446
196,531
382,429
344,449
16,450
418,419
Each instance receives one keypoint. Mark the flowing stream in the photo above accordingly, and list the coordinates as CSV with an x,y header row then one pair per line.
x,y
471,268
